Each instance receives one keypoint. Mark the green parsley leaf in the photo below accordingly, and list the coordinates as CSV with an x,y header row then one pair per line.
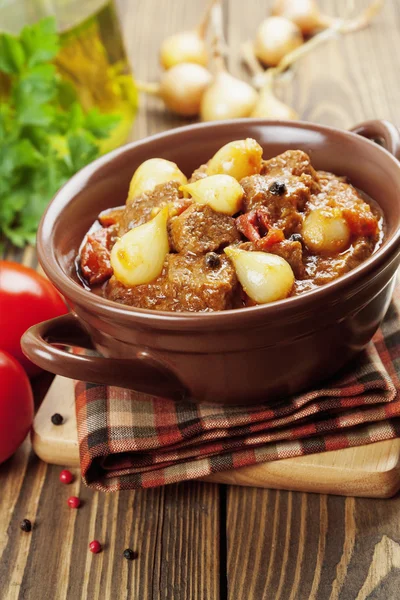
x,y
45,135
99,124
76,118
35,87
40,41
12,57
82,150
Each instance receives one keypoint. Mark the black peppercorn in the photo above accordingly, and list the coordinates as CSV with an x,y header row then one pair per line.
x,y
130,554
57,419
213,261
296,237
26,525
278,188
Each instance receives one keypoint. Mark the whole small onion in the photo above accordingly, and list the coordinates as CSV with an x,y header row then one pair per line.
x,y
276,37
304,13
188,46
182,88
227,98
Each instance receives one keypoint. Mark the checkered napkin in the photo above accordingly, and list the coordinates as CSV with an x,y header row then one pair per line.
x,y
128,440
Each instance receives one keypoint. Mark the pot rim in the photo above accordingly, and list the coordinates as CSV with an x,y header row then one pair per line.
x,y
334,291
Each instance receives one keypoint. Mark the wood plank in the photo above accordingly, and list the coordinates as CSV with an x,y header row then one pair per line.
x,y
293,546
174,530
306,546
372,471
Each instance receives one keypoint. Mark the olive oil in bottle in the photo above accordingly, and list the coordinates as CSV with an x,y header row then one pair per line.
x,y
92,56
93,59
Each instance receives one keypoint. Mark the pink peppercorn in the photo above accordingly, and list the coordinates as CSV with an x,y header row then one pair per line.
x,y
66,476
74,502
95,547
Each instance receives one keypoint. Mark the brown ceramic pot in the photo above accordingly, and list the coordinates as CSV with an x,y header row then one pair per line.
x,y
250,355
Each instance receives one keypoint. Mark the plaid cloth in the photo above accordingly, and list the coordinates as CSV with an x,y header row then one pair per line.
x,y
128,440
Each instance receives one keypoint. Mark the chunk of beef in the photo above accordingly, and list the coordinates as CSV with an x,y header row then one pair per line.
x,y
152,295
284,188
187,283
324,176
199,287
292,163
322,270
199,173
292,252
140,210
95,255
283,210
199,229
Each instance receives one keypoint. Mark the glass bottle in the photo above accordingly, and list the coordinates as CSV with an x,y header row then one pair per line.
x,y
92,56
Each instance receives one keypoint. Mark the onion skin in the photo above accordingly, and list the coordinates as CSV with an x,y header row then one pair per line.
x,y
223,193
269,107
326,231
264,277
188,46
304,13
182,88
276,37
227,98
138,256
239,158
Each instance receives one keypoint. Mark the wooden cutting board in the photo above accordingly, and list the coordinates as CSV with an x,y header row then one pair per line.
x,y
372,471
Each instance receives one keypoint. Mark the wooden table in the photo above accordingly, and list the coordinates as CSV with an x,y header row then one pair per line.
x,y
199,541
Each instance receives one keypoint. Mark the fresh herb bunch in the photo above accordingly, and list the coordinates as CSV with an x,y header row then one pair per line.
x,y
45,136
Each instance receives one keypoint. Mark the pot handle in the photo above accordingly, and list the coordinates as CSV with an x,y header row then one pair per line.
x,y
43,343
383,133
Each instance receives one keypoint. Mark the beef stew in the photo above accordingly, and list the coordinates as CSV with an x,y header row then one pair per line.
x,y
242,231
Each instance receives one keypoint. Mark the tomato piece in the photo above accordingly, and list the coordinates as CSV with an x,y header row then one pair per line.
x,y
16,405
26,298
274,236
253,224
96,255
361,220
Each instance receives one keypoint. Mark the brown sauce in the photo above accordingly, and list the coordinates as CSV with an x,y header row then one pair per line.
x,y
197,276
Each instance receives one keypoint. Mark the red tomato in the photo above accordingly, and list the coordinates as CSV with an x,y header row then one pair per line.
x,y
16,405
26,298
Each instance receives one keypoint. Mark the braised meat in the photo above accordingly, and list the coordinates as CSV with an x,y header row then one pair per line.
x,y
322,270
199,229
199,173
140,209
256,231
187,283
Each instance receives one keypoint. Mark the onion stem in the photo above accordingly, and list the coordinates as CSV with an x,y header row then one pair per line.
x,y
364,18
218,43
148,88
203,25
